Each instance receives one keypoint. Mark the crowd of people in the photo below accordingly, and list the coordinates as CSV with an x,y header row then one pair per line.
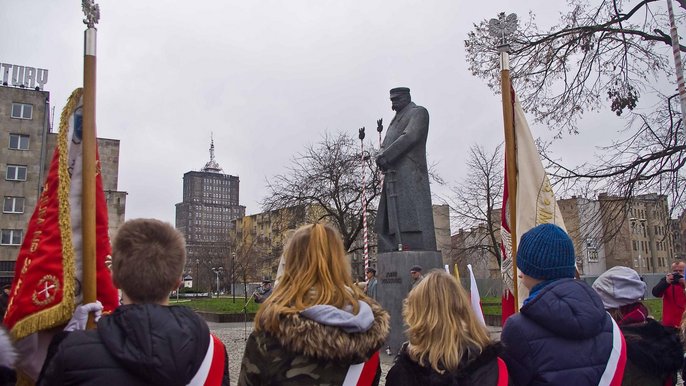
x,y
317,327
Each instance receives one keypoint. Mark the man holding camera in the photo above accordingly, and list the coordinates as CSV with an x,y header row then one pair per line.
x,y
262,293
671,290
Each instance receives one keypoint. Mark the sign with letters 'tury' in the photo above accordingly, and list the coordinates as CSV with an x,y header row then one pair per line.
x,y
23,76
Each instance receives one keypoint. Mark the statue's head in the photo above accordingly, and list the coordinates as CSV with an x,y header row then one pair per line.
x,y
400,98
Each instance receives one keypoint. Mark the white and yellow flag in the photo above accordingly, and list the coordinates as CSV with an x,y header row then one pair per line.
x,y
535,203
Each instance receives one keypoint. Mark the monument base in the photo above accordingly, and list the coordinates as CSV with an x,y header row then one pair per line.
x,y
393,274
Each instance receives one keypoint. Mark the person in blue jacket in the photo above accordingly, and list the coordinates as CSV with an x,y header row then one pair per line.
x,y
562,334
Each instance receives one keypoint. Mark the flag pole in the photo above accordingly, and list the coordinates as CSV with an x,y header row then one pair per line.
x,y
511,159
88,278
678,65
502,28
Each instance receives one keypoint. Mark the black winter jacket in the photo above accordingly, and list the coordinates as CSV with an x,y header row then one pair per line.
x,y
138,344
482,369
562,336
654,354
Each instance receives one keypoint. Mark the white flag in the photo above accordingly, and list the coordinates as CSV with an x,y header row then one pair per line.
x,y
474,296
536,202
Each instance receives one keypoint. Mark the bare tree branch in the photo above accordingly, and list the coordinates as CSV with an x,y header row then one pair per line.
x,y
328,175
475,198
603,54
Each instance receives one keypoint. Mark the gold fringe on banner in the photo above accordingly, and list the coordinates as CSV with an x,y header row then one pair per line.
x,y
62,312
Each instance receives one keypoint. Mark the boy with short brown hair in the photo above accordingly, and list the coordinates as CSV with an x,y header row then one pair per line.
x,y
144,341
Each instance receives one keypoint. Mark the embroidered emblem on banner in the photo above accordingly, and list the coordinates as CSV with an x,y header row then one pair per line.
x,y
46,290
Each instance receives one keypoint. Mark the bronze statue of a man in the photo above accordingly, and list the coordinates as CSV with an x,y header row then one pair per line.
x,y
405,218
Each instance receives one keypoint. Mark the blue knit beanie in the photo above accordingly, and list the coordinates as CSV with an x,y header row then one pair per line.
x,y
546,252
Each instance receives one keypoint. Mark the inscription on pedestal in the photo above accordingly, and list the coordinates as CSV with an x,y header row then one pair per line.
x,y
391,278
394,274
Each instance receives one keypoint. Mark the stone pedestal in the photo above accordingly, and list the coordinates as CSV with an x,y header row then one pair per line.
x,y
393,273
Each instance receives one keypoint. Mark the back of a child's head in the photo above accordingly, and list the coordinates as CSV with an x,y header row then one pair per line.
x,y
316,271
314,254
619,286
441,325
148,257
546,252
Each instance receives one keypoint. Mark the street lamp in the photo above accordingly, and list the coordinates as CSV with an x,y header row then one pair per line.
x,y
217,271
197,274
233,275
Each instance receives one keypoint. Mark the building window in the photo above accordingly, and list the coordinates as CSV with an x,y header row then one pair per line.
x,y
13,205
11,236
19,142
22,110
7,266
15,173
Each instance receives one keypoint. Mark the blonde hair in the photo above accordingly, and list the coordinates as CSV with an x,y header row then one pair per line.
x,y
316,272
441,323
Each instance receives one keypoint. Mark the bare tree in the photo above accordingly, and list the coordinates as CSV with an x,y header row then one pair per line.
x,y
603,54
475,199
246,262
327,176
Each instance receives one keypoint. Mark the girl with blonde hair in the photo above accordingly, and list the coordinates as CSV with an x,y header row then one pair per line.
x,y
317,327
447,344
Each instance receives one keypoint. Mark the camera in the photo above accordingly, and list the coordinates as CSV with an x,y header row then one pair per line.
x,y
676,276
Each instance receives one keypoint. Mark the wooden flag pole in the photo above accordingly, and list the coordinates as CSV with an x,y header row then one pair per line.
x,y
511,160
502,28
88,277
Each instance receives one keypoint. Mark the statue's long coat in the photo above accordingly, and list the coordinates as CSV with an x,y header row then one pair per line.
x,y
404,149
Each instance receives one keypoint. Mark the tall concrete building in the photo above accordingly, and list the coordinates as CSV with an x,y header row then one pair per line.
x,y
582,219
210,202
637,233
679,235
26,148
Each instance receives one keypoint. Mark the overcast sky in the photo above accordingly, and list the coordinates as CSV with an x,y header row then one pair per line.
x,y
266,77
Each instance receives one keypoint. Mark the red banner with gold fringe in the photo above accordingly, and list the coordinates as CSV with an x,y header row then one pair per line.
x,y
47,279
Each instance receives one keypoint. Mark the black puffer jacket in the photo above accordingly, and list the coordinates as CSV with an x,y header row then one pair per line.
x,y
139,344
481,369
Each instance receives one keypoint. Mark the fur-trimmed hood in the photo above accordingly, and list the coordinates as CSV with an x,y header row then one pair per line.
x,y
298,333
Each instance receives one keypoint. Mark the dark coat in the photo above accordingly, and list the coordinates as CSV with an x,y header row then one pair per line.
x,y
562,336
479,370
404,151
261,295
138,344
654,354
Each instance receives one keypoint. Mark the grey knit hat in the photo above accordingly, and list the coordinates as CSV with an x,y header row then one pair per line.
x,y
619,286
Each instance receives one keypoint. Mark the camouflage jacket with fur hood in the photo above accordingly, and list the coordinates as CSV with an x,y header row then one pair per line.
x,y
315,346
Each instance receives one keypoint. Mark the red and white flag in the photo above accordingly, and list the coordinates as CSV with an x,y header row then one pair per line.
x,y
47,279
535,204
